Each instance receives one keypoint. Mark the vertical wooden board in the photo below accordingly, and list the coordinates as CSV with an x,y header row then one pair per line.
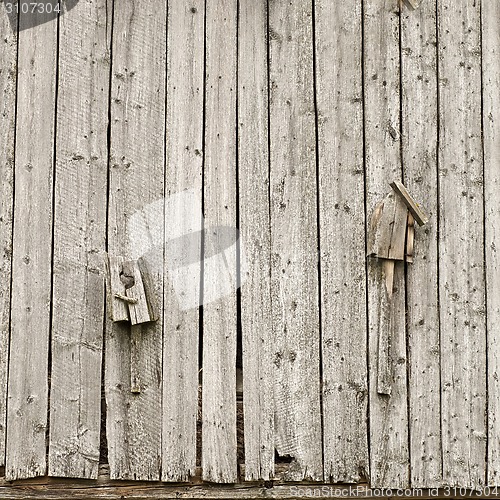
x,y
491,117
136,228
419,112
342,215
461,239
256,317
32,250
79,240
219,316
294,258
8,75
389,454
184,148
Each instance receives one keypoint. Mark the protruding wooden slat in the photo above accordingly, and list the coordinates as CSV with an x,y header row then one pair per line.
x,y
79,241
117,308
32,249
256,315
491,122
389,454
419,149
294,242
8,76
461,239
183,172
136,228
341,213
419,215
220,264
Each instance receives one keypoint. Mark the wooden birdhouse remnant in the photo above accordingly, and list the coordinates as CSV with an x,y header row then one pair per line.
x,y
391,240
131,298
130,291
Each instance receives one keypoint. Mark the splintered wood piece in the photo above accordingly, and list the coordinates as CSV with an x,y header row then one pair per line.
x,y
410,238
413,4
149,290
398,234
134,289
419,215
135,342
117,307
384,368
388,229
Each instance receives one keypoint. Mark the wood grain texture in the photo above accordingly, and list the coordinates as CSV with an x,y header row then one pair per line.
x,y
79,240
256,314
136,229
389,454
104,488
294,260
183,172
341,214
461,239
8,77
55,488
220,271
491,117
32,251
419,110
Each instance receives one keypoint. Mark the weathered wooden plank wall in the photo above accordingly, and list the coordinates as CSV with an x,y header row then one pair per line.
x,y
491,137
220,261
419,157
389,452
79,237
184,169
341,187
288,121
8,89
255,229
136,180
461,244
32,249
294,257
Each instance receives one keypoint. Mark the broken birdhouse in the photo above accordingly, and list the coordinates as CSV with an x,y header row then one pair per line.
x,y
130,291
131,299
391,240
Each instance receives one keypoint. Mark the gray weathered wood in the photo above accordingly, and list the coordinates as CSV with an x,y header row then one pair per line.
x,y
413,4
419,215
341,214
388,228
294,260
32,251
461,239
184,148
136,180
419,149
104,488
8,75
141,303
256,315
491,119
79,240
220,273
116,304
389,455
